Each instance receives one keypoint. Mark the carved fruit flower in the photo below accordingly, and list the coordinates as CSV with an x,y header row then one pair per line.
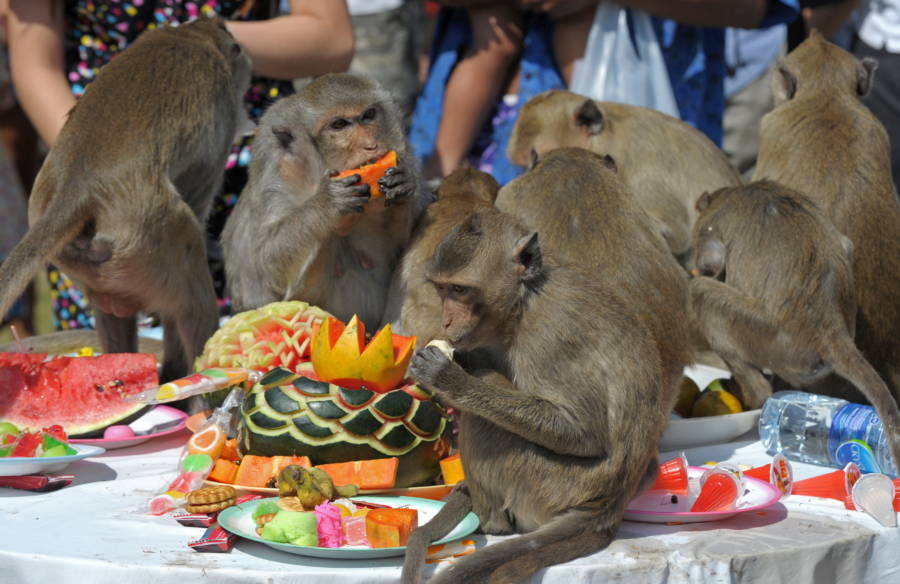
x,y
341,356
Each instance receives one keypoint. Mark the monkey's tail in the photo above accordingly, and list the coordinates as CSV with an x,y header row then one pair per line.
x,y
59,224
456,505
849,362
576,533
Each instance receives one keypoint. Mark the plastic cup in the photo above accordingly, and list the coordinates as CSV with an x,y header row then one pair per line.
x,y
874,494
672,477
897,494
762,473
778,472
719,493
832,485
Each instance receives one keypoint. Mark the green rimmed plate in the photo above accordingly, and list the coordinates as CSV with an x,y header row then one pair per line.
x,y
239,521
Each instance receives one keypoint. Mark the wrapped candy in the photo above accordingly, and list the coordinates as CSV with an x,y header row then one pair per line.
x,y
205,381
197,457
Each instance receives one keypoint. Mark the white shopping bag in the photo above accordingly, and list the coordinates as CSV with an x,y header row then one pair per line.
x,y
616,69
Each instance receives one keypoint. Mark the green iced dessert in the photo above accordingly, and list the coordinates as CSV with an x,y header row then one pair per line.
x,y
296,527
265,508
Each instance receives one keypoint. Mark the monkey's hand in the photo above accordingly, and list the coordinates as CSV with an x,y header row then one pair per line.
x,y
431,367
397,185
345,193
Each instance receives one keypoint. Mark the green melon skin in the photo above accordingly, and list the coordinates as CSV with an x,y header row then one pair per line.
x,y
286,414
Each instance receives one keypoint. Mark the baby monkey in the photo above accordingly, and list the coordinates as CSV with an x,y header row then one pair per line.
x,y
774,290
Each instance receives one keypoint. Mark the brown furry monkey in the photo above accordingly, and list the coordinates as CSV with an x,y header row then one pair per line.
x,y
555,460
665,162
579,204
776,291
414,308
821,140
120,201
297,233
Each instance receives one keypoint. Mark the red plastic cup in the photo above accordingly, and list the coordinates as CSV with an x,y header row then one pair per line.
x,y
832,485
719,493
762,473
672,477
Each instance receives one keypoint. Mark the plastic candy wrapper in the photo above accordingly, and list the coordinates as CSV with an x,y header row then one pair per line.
x,y
214,539
328,520
833,485
197,457
203,382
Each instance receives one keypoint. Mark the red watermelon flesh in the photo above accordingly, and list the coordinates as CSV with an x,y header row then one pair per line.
x,y
81,394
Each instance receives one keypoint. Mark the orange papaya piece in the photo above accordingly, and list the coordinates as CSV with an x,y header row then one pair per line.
x,y
254,471
370,173
379,473
390,527
224,471
452,469
229,451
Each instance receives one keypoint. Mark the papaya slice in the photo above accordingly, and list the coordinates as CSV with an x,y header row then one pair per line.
x,y
224,471
370,173
254,471
452,469
390,527
379,473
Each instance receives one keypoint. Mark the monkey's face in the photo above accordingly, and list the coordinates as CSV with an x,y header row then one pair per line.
x,y
352,136
461,311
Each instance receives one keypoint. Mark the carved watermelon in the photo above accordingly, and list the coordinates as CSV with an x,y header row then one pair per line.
x,y
294,415
84,395
274,335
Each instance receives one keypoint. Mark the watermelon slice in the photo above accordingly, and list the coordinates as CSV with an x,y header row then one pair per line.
x,y
84,395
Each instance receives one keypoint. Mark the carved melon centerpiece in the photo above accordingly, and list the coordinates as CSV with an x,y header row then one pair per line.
x,y
355,405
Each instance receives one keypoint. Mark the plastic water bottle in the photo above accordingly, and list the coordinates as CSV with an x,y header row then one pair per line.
x,y
825,430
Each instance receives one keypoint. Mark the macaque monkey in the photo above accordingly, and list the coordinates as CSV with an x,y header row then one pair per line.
x,y
665,162
775,290
585,213
556,460
821,140
121,199
299,234
560,433
414,307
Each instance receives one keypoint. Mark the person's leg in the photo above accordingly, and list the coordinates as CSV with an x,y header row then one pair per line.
x,y
475,83
884,98
740,124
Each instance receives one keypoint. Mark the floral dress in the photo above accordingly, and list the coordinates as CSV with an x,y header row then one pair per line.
x,y
97,30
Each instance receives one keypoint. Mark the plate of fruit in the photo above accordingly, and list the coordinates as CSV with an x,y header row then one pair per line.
x,y
706,411
23,452
361,527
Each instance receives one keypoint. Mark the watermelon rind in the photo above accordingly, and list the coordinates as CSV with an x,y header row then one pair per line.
x,y
305,417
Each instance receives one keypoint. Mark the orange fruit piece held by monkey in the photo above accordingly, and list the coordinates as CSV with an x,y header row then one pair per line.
x,y
370,173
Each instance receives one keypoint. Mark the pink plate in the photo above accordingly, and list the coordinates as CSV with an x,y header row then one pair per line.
x,y
160,411
658,508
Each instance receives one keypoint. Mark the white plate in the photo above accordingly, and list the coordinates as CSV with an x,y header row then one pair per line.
x,y
658,508
239,521
163,413
14,467
691,432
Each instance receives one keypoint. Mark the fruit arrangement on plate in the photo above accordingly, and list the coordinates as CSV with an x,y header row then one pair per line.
x,y
329,394
48,442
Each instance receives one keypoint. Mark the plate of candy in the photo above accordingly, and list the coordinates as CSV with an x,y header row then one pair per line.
x,y
704,494
156,423
381,521
25,452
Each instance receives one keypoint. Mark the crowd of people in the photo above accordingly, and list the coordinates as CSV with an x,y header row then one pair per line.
x,y
459,69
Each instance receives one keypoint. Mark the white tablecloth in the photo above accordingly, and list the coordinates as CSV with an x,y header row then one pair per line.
x,y
94,532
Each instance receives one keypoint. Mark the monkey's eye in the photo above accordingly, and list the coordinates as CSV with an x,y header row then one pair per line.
x,y
370,114
339,124
458,290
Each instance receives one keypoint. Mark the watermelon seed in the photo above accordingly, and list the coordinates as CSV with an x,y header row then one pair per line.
x,y
99,387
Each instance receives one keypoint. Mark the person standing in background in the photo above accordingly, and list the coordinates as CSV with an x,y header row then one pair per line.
x,y
879,38
57,48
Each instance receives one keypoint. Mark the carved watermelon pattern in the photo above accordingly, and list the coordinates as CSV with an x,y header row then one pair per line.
x,y
289,413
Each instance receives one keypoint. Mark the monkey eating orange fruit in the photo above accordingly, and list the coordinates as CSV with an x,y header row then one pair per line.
x,y
370,173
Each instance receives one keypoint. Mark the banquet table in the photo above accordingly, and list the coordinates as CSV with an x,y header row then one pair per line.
x,y
95,531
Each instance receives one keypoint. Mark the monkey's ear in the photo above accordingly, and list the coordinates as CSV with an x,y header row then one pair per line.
x,y
784,84
865,75
533,159
284,135
609,162
529,259
704,201
589,117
